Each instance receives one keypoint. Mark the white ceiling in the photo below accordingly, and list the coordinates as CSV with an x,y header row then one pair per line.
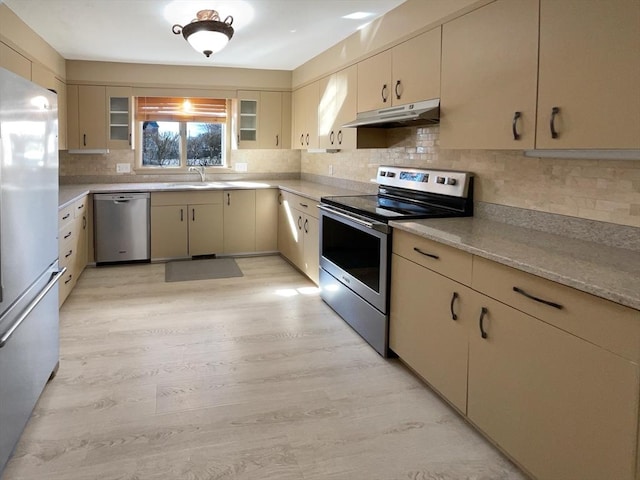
x,y
269,34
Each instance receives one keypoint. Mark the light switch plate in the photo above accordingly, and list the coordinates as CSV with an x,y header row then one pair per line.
x,y
123,168
241,167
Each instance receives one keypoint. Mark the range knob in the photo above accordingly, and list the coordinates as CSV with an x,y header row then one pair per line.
x,y
441,180
451,181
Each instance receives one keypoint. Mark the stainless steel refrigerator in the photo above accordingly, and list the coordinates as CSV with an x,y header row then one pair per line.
x,y
28,251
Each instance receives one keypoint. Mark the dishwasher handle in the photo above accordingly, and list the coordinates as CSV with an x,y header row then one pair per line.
x,y
55,277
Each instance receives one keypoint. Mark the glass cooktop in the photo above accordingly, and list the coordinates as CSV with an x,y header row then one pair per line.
x,y
385,209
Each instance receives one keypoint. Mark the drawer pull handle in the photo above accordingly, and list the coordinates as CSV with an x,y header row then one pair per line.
x,y
68,279
536,299
552,122
299,222
80,207
484,311
67,235
304,205
69,254
66,216
306,225
454,297
430,255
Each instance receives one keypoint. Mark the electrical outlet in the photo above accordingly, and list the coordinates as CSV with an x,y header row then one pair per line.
x,y
241,167
330,169
123,168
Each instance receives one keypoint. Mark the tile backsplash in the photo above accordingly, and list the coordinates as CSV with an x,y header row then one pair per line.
x,y
605,190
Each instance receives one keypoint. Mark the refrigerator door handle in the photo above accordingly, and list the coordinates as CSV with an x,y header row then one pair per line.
x,y
11,330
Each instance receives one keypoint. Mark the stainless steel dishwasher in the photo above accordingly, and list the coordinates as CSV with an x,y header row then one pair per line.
x,y
121,227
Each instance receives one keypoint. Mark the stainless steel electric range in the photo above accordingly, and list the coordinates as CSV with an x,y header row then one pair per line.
x,y
355,240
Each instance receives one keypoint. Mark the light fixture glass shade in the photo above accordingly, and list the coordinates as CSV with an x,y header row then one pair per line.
x,y
207,33
208,42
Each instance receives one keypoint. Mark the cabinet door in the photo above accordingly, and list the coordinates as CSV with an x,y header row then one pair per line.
x,y
248,107
430,340
328,92
416,68
374,82
311,248
270,120
561,406
310,100
239,221
82,245
92,116
169,231
267,220
346,107
61,90
73,127
205,229
119,117
489,68
590,70
287,229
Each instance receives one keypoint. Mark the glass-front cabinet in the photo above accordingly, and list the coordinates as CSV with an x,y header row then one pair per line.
x,y
119,117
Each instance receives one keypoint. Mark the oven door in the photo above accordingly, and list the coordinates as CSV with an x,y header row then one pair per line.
x,y
355,251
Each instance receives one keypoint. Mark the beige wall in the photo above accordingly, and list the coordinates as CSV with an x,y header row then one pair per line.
x,y
606,190
405,21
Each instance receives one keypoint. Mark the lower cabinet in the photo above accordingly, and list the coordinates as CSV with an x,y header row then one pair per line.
x,y
298,233
239,221
186,224
72,245
555,385
434,340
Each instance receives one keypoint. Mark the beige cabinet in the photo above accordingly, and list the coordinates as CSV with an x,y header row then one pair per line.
x,y
47,79
299,234
489,77
86,117
548,373
433,341
589,74
119,117
72,244
305,117
267,220
263,120
239,221
407,73
561,406
186,224
337,106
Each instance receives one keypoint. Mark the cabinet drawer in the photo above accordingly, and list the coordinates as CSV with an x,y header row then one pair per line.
x,y
80,207
602,322
65,215
446,260
186,198
302,204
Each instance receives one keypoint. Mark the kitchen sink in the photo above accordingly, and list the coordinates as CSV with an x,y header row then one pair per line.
x,y
196,185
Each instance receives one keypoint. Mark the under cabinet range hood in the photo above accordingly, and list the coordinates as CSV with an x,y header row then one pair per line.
x,y
410,115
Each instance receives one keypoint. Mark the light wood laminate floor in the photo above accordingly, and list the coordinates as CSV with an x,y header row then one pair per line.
x,y
240,378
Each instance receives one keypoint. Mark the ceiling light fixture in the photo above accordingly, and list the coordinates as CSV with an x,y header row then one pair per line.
x,y
206,33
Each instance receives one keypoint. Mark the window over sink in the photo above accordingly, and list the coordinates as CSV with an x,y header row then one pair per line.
x,y
177,133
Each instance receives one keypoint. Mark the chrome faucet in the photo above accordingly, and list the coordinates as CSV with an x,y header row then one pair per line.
x,y
199,169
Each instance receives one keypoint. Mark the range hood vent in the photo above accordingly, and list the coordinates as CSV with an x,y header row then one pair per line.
x,y
409,115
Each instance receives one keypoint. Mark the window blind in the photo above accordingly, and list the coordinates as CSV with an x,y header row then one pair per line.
x,y
178,109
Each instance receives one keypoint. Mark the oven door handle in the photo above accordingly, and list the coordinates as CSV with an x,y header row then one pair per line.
x,y
379,227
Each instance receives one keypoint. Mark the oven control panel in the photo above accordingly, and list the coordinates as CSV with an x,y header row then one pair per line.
x,y
444,182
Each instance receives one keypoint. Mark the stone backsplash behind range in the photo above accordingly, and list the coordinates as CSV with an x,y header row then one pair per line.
x,y
605,190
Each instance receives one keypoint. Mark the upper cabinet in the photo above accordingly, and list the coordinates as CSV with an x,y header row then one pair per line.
x,y
305,117
336,107
14,62
120,119
580,89
489,67
87,127
407,73
589,80
47,79
263,120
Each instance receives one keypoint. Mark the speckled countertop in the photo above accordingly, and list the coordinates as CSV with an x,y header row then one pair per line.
x,y
608,272
69,193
